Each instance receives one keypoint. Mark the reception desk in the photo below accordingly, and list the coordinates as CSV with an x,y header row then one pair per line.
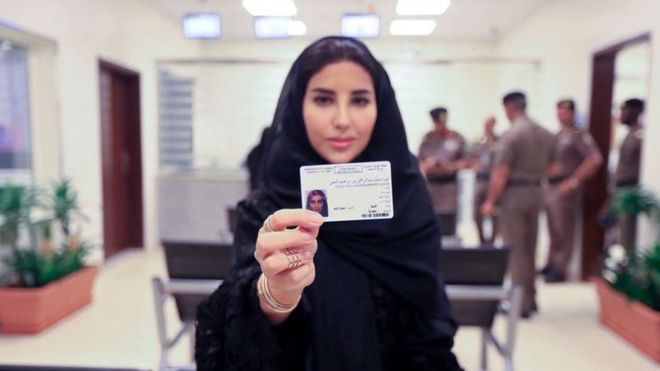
x,y
192,205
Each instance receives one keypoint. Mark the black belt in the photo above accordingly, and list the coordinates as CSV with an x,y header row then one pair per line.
x,y
627,183
524,183
557,179
483,176
441,178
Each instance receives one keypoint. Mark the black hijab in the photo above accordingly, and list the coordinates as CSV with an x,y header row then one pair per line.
x,y
400,254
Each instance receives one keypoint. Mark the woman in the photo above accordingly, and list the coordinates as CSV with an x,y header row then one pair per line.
x,y
316,201
346,296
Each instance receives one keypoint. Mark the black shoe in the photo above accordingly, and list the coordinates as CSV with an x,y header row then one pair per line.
x,y
554,277
527,314
545,270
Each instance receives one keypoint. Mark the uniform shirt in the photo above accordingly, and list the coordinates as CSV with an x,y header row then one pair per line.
x,y
627,169
483,153
573,146
445,150
527,149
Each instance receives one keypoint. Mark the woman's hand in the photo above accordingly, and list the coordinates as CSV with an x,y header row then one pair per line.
x,y
286,256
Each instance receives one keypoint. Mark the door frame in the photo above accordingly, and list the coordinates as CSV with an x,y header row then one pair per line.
x,y
600,125
135,234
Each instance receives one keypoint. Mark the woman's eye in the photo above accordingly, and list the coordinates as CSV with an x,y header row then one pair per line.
x,y
322,100
361,101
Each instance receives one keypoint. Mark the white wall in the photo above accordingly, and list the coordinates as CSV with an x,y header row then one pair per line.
x,y
564,35
235,99
126,32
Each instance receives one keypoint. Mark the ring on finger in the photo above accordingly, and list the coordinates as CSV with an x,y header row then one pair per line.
x,y
294,256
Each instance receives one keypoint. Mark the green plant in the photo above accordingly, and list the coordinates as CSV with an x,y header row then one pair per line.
x,y
36,269
637,276
40,263
636,201
16,202
64,204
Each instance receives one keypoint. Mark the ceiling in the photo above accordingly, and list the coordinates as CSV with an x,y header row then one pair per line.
x,y
465,19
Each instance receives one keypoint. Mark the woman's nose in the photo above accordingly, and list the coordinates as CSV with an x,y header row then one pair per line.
x,y
342,117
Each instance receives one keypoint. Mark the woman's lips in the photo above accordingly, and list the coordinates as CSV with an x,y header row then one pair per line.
x,y
341,143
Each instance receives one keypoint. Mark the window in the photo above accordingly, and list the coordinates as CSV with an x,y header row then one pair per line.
x,y
15,150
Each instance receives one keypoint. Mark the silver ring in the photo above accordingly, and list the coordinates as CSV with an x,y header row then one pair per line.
x,y
294,257
267,227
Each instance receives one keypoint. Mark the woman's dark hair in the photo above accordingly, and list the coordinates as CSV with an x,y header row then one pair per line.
x,y
318,192
332,50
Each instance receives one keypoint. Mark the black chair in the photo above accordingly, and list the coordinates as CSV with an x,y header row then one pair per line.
x,y
447,223
474,279
195,270
231,219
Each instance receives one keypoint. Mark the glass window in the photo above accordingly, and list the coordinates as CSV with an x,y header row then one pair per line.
x,y
15,152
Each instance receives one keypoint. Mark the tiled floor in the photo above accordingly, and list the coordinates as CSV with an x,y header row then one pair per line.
x,y
118,329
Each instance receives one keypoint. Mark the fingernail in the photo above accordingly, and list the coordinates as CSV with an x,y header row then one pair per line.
x,y
316,218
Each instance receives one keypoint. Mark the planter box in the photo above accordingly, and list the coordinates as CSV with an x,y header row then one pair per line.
x,y
30,310
635,322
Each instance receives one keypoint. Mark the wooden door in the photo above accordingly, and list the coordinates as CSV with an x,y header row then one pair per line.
x,y
121,158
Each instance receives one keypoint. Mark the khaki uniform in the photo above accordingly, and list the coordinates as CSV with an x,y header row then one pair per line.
x,y
443,184
573,147
484,154
627,176
528,150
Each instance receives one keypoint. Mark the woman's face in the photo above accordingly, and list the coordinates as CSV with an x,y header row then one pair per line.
x,y
339,109
316,203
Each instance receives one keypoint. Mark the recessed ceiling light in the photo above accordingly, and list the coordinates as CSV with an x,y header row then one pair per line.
x,y
202,26
412,27
422,7
297,28
270,8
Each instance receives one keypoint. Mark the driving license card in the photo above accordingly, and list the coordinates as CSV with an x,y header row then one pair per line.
x,y
356,191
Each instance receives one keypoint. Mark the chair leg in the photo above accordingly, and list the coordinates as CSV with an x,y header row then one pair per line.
x,y
192,342
484,349
159,299
508,362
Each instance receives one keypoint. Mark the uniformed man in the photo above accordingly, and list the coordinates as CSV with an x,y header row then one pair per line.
x,y
526,155
482,156
627,170
441,156
579,158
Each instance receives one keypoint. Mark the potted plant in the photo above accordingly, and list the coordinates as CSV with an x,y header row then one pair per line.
x,y
45,280
629,291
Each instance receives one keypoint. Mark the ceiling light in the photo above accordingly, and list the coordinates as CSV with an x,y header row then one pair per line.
x,y
270,8
297,28
422,7
202,26
412,27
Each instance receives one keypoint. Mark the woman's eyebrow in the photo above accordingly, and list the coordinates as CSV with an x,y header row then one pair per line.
x,y
323,90
362,92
